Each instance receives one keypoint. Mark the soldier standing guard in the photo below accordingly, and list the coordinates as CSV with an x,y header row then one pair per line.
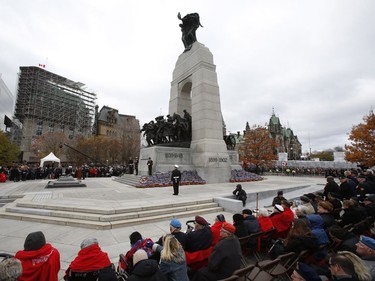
x,y
176,178
149,165
136,162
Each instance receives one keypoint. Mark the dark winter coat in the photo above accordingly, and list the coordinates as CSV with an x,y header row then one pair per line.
x,y
200,239
252,224
331,187
147,270
223,261
328,220
352,216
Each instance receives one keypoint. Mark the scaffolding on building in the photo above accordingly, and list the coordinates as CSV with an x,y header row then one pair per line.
x,y
47,102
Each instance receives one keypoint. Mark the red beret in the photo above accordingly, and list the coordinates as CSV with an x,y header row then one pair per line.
x,y
229,227
200,220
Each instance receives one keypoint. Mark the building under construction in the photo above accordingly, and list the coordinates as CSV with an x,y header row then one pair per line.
x,y
46,103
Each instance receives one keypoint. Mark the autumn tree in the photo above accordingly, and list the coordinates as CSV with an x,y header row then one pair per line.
x,y
50,142
100,150
9,152
362,139
258,147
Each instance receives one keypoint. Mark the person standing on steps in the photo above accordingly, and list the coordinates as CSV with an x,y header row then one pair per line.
x,y
176,178
136,162
149,165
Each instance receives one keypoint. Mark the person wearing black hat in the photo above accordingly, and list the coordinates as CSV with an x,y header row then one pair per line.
x,y
278,198
331,186
176,179
40,261
347,190
201,237
240,194
251,222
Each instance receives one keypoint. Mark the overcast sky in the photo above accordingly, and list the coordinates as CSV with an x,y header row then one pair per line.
x,y
313,61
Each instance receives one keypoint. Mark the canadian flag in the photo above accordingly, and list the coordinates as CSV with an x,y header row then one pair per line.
x,y
42,65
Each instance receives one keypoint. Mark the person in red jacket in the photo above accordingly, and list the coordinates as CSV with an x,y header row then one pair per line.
x,y
264,220
282,219
92,261
215,228
40,261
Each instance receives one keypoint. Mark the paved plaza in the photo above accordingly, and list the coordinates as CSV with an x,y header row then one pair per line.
x,y
105,192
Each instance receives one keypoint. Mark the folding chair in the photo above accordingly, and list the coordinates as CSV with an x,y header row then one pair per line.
x,y
255,251
230,278
262,270
244,243
243,273
280,271
265,241
292,262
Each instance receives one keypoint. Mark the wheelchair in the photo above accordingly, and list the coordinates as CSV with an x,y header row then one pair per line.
x,y
96,274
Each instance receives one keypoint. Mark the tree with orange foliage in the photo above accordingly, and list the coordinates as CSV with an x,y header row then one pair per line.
x,y
362,138
50,142
258,147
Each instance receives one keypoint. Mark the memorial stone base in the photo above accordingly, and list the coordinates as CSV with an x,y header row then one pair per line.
x,y
212,167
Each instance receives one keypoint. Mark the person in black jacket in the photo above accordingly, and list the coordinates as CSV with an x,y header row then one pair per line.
x,y
240,194
239,224
347,190
343,240
145,269
352,215
279,198
331,186
225,257
200,238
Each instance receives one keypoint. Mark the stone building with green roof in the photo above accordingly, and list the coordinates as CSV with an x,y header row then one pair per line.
x,y
286,140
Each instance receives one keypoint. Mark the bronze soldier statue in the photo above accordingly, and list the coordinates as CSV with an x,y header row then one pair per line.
x,y
189,25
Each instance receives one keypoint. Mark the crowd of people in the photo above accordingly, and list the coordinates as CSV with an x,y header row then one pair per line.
x,y
334,227
23,172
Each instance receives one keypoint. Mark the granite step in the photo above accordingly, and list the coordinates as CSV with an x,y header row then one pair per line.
x,y
128,179
111,211
123,215
105,219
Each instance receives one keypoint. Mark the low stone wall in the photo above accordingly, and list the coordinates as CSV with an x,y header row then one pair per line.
x,y
230,204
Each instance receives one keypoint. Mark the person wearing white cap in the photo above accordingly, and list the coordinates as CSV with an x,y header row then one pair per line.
x,y
176,178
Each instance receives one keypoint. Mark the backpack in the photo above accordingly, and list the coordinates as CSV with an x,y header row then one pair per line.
x,y
126,263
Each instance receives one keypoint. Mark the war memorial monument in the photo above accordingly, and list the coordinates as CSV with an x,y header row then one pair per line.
x,y
195,95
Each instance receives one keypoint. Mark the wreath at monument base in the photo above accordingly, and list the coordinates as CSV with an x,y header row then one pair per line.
x,y
164,179
243,176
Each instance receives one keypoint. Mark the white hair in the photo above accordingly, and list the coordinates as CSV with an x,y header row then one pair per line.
x,y
263,212
88,242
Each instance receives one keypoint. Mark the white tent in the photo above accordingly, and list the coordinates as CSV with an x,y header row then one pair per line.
x,y
49,158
